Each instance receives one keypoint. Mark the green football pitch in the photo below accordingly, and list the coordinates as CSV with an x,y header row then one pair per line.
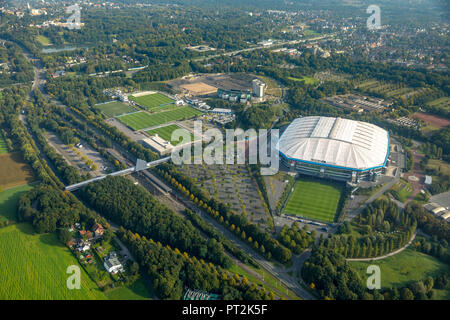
x,y
166,133
113,109
152,101
142,120
314,199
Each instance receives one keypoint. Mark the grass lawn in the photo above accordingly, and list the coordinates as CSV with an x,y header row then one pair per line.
x,y
115,108
439,165
166,133
8,202
3,146
135,291
33,266
403,268
314,199
307,80
142,120
403,190
43,40
152,101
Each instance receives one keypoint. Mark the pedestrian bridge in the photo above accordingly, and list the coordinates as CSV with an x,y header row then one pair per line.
x,y
140,165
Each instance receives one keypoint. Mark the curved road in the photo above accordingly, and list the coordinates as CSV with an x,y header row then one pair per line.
x,y
393,253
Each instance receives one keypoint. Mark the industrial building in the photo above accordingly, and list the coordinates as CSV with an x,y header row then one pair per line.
x,y
335,148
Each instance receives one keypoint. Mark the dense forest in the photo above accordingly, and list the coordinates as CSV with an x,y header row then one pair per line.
x,y
132,207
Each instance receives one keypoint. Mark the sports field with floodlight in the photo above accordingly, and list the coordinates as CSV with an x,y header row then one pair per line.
x,y
141,120
317,200
152,101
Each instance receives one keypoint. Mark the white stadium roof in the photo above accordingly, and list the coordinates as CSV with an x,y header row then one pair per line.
x,y
335,142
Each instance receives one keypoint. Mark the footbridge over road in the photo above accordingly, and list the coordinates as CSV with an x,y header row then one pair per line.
x,y
140,166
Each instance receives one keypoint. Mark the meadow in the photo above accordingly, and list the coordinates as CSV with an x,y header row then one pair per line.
x,y
402,190
33,266
8,202
142,120
43,40
403,268
307,80
166,133
152,101
113,109
135,291
318,200
441,103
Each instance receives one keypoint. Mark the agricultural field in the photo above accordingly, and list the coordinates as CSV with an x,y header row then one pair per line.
x,y
152,101
166,133
142,120
432,120
8,202
307,80
314,199
3,145
403,268
14,171
113,109
33,266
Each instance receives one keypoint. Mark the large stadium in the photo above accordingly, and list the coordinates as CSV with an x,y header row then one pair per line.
x,y
335,148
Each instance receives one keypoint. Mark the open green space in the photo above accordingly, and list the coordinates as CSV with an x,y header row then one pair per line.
x,y
135,291
3,145
401,190
43,40
115,108
441,103
318,200
33,266
307,80
166,133
142,120
8,202
403,268
152,101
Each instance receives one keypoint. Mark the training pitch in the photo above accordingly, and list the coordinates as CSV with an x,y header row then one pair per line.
x,y
142,120
317,200
166,133
152,101
113,109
